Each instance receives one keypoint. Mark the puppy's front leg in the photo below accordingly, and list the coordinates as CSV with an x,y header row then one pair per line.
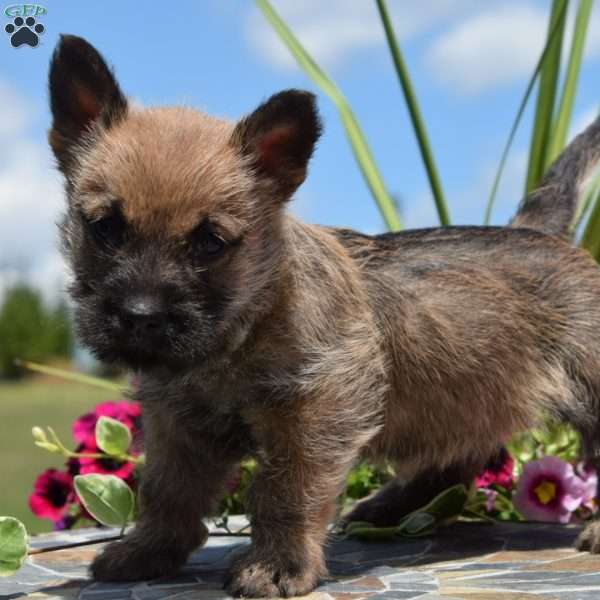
x,y
182,480
302,468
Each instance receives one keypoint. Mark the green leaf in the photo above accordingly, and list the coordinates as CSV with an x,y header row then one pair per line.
x,y
444,507
106,497
418,523
480,517
540,139
591,193
354,525
368,532
565,110
112,436
522,447
542,435
13,545
359,145
415,115
513,130
591,236
447,505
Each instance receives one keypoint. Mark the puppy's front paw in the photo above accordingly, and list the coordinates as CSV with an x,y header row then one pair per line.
x,y
132,561
259,578
589,538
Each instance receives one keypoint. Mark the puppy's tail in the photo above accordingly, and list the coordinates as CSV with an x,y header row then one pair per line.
x,y
551,207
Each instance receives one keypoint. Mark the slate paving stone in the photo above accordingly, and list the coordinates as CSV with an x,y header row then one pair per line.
x,y
506,561
396,594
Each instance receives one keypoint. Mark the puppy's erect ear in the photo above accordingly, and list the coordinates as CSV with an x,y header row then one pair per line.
x,y
279,138
83,91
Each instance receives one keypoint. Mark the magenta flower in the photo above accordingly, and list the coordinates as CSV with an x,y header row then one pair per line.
x,y
129,413
549,490
52,494
121,468
500,471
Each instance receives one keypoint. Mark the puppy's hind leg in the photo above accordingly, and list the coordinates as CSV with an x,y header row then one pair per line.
x,y
395,500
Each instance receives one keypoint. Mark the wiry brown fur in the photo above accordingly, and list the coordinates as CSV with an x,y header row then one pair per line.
x,y
552,206
428,348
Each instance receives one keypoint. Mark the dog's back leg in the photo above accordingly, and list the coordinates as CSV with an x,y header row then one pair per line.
x,y
397,499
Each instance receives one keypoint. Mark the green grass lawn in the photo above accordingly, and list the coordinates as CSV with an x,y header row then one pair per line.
x,y
36,401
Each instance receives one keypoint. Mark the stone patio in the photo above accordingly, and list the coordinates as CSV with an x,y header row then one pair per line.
x,y
505,561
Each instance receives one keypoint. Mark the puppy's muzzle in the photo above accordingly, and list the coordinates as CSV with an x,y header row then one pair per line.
x,y
144,318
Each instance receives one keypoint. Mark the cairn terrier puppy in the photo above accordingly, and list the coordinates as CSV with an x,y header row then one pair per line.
x,y
306,347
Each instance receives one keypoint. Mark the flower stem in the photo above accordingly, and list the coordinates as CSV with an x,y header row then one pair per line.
x,y
138,460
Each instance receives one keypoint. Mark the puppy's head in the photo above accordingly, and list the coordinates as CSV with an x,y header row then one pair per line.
x,y
174,227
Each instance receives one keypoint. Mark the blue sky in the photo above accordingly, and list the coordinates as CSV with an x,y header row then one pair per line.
x,y
470,62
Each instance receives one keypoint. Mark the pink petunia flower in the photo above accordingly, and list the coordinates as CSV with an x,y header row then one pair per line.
x,y
549,490
500,471
52,494
127,412
110,466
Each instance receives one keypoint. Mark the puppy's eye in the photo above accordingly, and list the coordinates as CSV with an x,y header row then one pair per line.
x,y
109,230
209,245
206,244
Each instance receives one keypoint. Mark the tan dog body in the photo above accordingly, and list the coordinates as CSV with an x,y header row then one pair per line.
x,y
305,347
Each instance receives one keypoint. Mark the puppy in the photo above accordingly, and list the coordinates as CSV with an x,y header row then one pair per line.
x,y
306,347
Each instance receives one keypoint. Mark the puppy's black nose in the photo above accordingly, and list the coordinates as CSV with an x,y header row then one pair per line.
x,y
144,317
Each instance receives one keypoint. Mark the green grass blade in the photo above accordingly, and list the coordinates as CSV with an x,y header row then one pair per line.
x,y
591,235
511,136
415,114
72,376
354,132
546,98
565,111
588,199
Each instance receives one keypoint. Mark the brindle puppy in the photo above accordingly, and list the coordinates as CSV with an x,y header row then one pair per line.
x,y
304,346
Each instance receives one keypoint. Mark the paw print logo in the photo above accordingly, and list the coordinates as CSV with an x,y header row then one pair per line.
x,y
24,31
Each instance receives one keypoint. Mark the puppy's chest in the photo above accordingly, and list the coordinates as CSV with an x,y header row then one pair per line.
x,y
226,406
228,389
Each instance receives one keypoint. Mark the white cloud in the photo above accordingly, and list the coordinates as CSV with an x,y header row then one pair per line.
x,y
13,117
481,46
31,200
335,30
495,46
500,44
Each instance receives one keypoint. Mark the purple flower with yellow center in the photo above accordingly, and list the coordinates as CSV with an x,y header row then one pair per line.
x,y
549,490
